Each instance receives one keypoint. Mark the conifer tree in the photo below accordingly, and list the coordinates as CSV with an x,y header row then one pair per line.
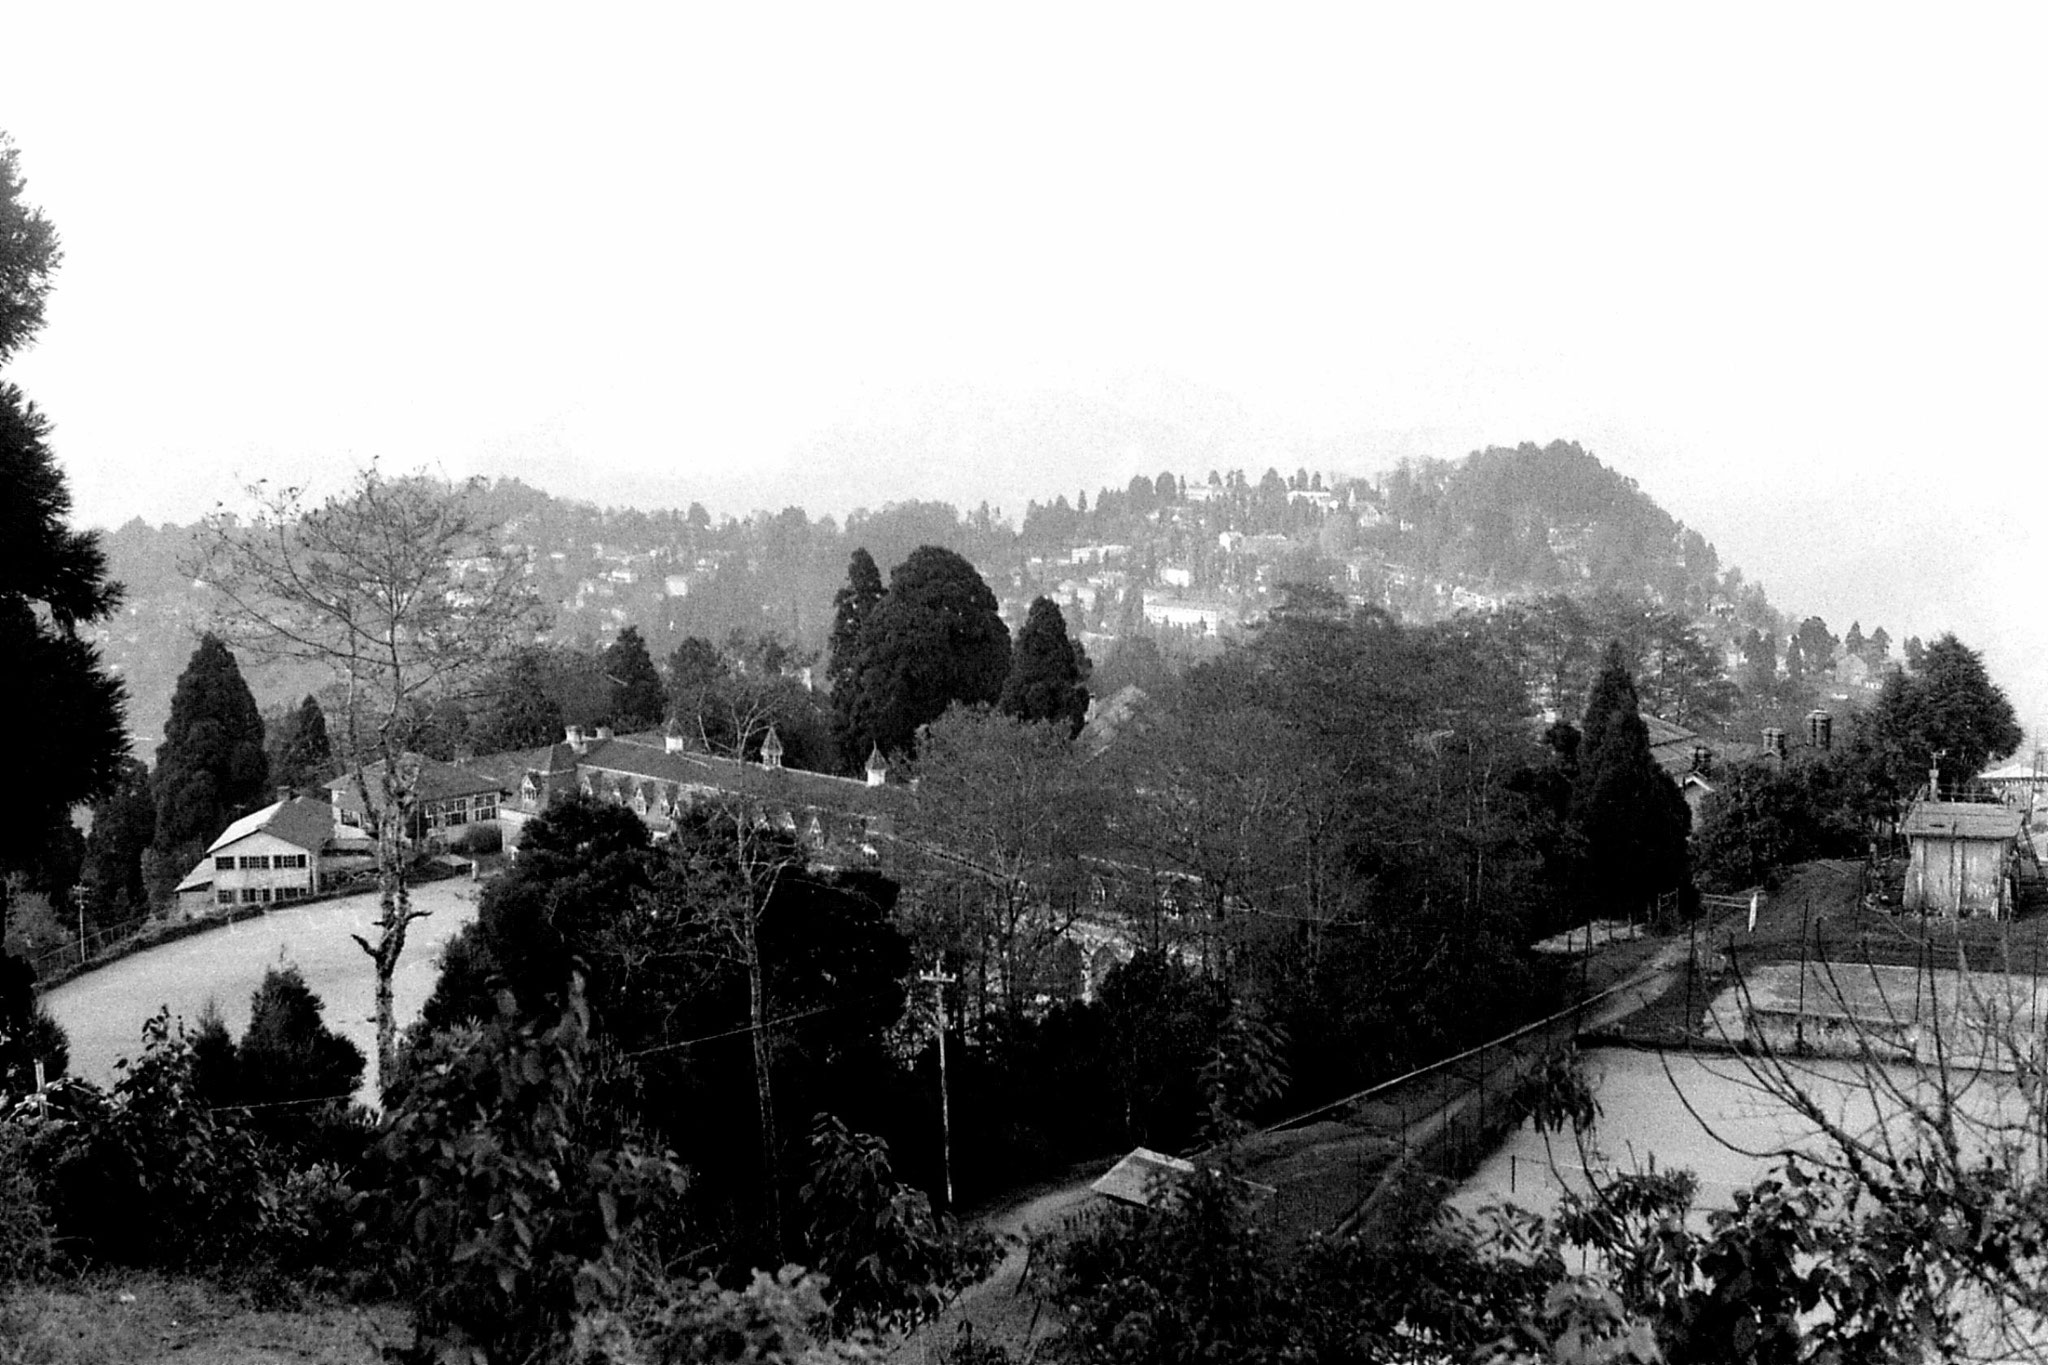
x,y
935,638
851,607
71,742
305,759
1047,671
1630,816
638,701
210,769
123,828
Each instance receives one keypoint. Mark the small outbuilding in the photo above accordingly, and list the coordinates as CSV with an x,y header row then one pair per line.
x,y
1964,858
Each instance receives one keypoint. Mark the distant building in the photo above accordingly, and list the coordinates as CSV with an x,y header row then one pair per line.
x,y
445,796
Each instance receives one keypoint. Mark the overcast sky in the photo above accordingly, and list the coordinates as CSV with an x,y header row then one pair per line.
x,y
1783,265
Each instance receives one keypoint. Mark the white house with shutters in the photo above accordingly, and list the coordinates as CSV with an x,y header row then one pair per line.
x,y
284,852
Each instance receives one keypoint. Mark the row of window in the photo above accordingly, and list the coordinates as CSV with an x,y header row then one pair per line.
x,y
260,862
259,895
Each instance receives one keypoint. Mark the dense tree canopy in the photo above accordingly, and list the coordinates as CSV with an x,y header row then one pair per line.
x,y
123,828
851,607
518,708
935,638
1944,712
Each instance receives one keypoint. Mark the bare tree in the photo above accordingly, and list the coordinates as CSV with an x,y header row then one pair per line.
x,y
401,588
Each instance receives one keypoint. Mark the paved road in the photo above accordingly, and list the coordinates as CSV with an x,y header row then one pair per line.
x,y
103,1010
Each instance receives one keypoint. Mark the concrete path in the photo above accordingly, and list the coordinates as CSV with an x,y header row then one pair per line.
x,y
103,1011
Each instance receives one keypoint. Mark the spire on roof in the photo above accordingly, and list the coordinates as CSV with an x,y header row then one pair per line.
x,y
771,749
878,767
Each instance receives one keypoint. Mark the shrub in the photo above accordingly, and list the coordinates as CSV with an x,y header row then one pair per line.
x,y
504,1209
25,1247
890,1261
477,840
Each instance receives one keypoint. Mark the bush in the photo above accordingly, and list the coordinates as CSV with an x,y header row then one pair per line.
x,y
477,840
25,1247
504,1207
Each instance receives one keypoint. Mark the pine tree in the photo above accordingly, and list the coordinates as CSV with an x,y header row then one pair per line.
x,y
71,743
305,759
1630,815
638,701
934,639
1047,671
210,769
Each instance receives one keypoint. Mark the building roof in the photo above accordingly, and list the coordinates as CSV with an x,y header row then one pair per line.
x,y
1961,820
1136,1178
300,822
437,781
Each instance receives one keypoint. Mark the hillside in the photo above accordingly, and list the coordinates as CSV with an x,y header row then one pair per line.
x,y
1180,558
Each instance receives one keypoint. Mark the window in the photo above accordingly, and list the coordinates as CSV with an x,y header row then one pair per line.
x,y
226,864
456,817
259,862
288,860
224,897
489,812
289,893
251,895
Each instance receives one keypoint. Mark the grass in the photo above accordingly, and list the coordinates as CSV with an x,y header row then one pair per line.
x,y
154,1319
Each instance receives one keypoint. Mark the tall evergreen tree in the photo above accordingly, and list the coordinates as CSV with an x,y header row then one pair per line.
x,y
72,741
1047,671
305,759
1630,816
638,701
934,639
210,769
851,607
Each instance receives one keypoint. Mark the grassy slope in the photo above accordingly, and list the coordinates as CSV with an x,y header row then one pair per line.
x,y
149,1319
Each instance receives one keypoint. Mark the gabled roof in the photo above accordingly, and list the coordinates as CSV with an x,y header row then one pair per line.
x,y
299,822
438,781
1960,820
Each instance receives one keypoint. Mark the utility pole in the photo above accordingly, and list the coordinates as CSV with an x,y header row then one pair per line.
x,y
939,978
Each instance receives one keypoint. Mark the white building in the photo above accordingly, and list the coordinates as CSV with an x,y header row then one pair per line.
x,y
284,852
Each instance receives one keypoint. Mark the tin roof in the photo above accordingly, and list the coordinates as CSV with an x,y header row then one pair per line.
x,y
1136,1178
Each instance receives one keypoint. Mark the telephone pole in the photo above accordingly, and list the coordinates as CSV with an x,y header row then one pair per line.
x,y
939,978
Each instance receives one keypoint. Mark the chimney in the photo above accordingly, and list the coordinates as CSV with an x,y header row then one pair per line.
x,y
1774,742
285,794
672,740
576,739
878,770
1820,729
604,732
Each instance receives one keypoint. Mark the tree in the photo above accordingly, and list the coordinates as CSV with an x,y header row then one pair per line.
x,y
1816,645
851,607
211,768
517,710
123,828
53,579
638,701
305,760
1629,813
400,587
288,1055
935,638
1948,713
1047,671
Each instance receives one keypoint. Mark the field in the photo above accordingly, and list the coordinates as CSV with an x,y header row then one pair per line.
x,y
103,1010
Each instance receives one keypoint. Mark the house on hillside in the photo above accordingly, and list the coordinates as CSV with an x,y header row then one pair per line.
x,y
285,852
446,797
1692,760
1964,857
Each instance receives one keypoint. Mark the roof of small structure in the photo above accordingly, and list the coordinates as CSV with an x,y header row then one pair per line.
x,y
437,781
1961,820
306,824
1137,1177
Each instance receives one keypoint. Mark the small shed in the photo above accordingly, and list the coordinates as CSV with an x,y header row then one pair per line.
x,y
1963,857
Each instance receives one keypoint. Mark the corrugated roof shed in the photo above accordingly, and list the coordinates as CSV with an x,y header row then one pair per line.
x,y
1961,820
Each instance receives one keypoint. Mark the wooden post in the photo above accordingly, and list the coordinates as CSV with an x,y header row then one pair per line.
x,y
938,978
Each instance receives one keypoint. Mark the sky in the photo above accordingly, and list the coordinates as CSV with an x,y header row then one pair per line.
x,y
1785,266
